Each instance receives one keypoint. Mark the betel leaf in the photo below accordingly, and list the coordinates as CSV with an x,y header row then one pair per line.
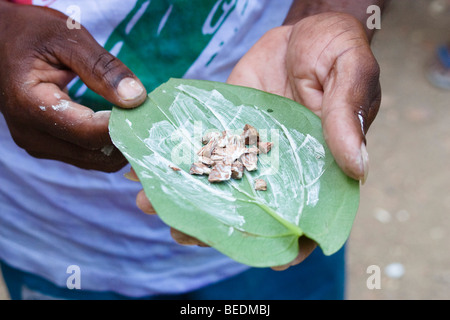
x,y
307,192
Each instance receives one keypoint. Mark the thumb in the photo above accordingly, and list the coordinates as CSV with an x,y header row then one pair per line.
x,y
101,71
352,96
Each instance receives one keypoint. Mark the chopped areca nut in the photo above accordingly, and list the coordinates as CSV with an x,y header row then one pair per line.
x,y
236,140
225,155
222,141
207,161
233,153
220,172
250,161
210,135
260,184
174,168
220,151
217,158
200,169
265,147
207,150
250,135
237,170
252,150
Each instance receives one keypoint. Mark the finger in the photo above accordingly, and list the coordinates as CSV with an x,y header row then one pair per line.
x,y
184,239
55,114
41,145
144,204
306,247
54,127
99,70
132,176
351,100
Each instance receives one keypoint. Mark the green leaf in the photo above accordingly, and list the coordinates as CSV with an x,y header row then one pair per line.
x,y
307,192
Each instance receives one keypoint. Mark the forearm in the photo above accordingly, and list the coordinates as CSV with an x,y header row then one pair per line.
x,y
358,8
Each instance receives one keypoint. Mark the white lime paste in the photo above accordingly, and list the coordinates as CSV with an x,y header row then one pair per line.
x,y
175,143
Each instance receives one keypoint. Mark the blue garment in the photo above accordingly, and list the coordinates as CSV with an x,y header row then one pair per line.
x,y
317,278
53,215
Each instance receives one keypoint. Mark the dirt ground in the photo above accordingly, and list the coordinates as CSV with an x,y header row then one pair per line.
x,y
402,226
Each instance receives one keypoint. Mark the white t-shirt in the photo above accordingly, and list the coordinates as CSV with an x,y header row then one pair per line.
x,y
54,215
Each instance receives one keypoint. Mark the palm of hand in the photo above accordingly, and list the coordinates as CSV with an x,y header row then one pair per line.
x,y
325,63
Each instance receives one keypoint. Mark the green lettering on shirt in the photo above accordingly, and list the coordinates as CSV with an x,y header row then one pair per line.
x,y
160,39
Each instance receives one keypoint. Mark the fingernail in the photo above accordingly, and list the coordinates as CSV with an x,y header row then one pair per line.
x,y
364,162
129,89
130,176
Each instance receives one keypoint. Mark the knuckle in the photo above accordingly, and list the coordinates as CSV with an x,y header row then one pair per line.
x,y
103,62
373,68
105,65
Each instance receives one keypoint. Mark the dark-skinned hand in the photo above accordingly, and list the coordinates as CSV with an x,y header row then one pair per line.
x,y
325,63
39,56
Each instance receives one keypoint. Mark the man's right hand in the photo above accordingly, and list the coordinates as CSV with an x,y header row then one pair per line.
x,y
39,56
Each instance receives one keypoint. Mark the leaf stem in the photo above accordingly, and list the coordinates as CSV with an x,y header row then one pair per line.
x,y
289,225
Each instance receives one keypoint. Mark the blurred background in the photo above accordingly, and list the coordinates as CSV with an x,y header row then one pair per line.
x,y
402,226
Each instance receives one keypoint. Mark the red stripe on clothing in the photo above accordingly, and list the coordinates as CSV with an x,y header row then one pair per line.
x,y
42,2
22,1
